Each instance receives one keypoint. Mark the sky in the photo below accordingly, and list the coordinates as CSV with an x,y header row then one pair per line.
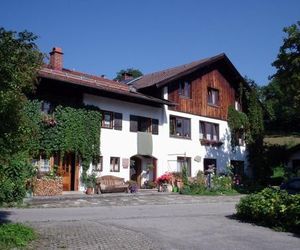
x,y
104,36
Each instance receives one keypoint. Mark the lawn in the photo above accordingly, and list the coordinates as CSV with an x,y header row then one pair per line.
x,y
15,235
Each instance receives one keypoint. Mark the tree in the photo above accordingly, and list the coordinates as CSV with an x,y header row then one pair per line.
x,y
282,94
133,72
19,64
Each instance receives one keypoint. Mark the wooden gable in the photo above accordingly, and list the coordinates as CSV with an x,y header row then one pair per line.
x,y
197,104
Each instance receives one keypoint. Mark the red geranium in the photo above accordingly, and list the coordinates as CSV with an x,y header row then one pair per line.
x,y
165,178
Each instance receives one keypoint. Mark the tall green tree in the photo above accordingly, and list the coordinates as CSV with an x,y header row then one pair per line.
x,y
282,95
20,60
134,72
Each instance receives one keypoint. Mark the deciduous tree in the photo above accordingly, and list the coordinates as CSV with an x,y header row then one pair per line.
x,y
20,60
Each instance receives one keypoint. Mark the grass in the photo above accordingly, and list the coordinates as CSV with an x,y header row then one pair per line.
x,y
15,235
283,140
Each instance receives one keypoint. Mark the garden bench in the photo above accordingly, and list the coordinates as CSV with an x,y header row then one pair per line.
x,y
110,184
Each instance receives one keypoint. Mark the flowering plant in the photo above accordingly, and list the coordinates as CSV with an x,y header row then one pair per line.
x,y
165,178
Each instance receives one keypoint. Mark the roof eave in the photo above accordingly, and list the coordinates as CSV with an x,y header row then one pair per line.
x,y
136,95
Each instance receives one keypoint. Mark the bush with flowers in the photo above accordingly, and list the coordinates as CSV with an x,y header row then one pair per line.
x,y
166,178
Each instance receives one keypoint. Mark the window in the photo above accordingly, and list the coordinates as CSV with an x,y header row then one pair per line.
x,y
184,162
237,167
180,127
112,120
185,89
239,136
155,126
209,131
237,105
209,165
98,166
296,165
213,96
114,164
118,117
107,119
143,124
42,164
46,107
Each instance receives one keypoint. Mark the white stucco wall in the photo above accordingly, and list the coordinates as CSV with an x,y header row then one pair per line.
x,y
166,149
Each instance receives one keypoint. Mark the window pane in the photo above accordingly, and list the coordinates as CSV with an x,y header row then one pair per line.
x,y
172,126
186,128
155,126
213,96
118,121
144,124
98,166
106,119
184,162
114,164
133,123
179,127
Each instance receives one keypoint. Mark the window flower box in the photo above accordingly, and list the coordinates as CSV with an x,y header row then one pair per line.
x,y
212,143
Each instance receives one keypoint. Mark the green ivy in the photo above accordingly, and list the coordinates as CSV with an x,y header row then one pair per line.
x,y
238,121
68,129
252,123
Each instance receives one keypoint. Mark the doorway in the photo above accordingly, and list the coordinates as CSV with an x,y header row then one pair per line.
x,y
135,170
143,168
69,170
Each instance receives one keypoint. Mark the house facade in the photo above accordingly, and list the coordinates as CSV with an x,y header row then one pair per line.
x,y
153,124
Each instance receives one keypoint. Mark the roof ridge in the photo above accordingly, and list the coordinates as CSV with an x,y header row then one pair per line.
x,y
167,74
183,65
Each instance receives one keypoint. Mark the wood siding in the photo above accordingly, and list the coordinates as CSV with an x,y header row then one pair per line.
x,y
198,103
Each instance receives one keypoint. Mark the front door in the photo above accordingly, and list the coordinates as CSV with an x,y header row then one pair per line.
x,y
69,171
136,170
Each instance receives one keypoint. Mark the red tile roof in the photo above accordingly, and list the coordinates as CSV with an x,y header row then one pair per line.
x,y
96,82
161,77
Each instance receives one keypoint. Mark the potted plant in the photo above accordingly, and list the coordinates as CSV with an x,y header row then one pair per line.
x,y
90,183
164,182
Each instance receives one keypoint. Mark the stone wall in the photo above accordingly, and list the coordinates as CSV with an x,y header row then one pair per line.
x,y
48,187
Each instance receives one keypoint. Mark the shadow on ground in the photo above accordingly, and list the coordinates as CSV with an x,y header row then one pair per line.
x,y
234,217
4,216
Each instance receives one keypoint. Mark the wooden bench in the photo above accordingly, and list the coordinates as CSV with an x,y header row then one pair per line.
x,y
110,184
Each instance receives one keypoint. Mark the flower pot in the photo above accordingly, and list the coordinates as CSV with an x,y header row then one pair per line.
x,y
179,184
89,190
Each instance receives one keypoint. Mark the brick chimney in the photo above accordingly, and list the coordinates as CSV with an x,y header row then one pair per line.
x,y
56,58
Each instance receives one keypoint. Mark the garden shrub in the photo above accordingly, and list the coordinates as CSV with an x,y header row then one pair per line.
x,y
273,208
220,185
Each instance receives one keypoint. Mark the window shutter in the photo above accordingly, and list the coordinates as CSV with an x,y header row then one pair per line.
x,y
133,123
118,121
155,126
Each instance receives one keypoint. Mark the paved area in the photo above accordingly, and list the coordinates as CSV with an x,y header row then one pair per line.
x,y
146,222
123,199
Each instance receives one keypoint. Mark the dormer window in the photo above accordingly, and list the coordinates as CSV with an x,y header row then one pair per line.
x,y
213,97
185,89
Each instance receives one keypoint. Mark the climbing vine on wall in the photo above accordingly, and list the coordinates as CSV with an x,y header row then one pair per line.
x,y
67,129
238,122
252,123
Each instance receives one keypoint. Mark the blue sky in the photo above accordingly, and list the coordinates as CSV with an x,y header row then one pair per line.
x,y
102,37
